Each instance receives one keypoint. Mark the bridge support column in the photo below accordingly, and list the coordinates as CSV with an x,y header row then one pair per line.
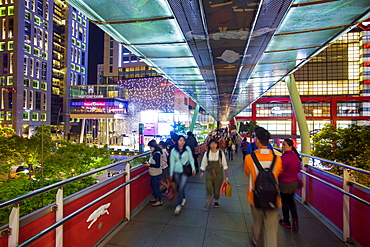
x,y
194,120
302,125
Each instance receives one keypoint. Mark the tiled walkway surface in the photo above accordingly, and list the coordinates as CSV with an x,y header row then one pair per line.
x,y
228,225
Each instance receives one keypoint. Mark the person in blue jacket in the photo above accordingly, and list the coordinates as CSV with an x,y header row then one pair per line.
x,y
180,155
252,146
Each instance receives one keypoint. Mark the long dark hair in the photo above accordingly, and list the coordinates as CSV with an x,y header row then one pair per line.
x,y
154,144
177,144
290,144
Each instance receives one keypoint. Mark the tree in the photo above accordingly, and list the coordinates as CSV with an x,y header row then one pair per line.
x,y
180,128
74,158
248,128
349,146
6,132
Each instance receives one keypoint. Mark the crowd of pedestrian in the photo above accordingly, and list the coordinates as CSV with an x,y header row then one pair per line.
x,y
273,178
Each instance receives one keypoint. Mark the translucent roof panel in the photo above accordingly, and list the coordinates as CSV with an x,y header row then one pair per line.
x,y
164,31
165,50
274,57
301,40
174,62
180,71
127,10
276,66
322,15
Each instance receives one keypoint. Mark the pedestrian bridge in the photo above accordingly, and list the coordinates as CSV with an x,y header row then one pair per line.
x,y
116,212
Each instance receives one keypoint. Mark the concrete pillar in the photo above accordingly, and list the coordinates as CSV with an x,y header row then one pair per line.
x,y
299,113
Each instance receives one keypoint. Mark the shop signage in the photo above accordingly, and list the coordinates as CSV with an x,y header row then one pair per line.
x,y
90,96
94,104
277,110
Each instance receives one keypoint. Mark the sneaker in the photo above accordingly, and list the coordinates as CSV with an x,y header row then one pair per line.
x,y
157,204
153,200
177,210
285,224
206,207
216,205
183,202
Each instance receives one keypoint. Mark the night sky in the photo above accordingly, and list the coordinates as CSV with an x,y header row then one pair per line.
x,y
96,50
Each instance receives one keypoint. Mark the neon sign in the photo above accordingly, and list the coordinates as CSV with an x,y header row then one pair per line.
x,y
94,104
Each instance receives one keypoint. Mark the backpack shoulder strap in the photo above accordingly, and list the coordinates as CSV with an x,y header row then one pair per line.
x,y
220,155
273,162
256,162
207,155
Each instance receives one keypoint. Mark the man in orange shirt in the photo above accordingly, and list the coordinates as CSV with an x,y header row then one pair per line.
x,y
265,221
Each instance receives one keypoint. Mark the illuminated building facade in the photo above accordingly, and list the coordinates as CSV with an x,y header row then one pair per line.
x,y
334,88
45,39
25,41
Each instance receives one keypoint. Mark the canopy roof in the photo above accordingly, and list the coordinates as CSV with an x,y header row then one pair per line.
x,y
225,54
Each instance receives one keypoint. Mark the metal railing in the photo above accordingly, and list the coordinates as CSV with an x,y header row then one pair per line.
x,y
13,228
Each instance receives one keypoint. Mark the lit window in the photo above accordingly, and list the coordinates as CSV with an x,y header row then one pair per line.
x,y
2,46
11,10
10,45
36,52
3,11
26,116
26,82
35,116
27,15
10,80
37,20
27,48
35,84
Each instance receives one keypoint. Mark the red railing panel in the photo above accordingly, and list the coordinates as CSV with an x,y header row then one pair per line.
x,y
37,226
325,199
140,188
108,212
360,217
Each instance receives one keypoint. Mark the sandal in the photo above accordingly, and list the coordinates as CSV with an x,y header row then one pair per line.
x,y
157,204
153,200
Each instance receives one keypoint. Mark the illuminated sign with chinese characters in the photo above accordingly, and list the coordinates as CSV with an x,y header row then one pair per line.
x,y
94,104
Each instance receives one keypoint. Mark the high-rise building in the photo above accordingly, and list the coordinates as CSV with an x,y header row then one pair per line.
x,y
50,40
334,88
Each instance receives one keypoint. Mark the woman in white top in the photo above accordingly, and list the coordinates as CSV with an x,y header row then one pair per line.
x,y
214,162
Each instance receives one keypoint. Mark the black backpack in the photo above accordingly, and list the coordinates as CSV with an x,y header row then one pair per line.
x,y
265,188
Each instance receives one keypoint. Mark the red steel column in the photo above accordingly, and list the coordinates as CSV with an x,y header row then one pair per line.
x,y
254,111
333,111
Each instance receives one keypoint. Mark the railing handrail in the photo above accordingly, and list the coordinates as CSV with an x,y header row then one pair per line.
x,y
78,211
64,182
332,162
337,188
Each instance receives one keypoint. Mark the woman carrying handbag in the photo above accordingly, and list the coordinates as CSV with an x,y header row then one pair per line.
x,y
214,163
180,157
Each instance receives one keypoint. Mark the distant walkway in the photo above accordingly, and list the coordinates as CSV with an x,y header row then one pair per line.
x,y
228,225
